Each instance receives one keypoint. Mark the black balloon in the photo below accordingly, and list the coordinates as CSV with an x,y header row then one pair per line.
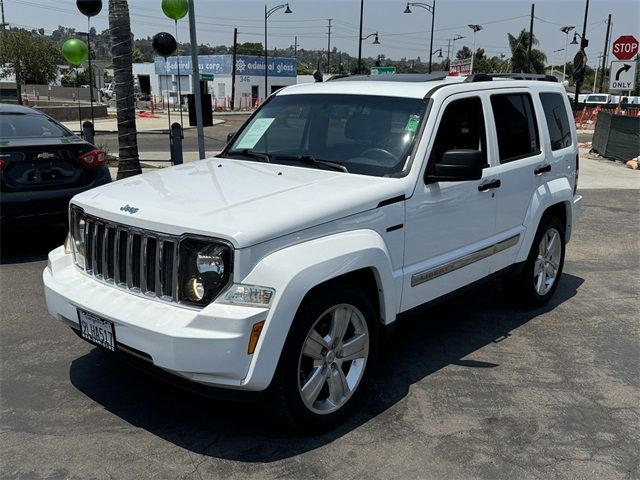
x,y
89,8
164,44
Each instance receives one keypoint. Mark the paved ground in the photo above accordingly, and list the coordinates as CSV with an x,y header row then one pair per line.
x,y
475,388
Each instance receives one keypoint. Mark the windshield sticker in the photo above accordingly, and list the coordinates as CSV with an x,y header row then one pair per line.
x,y
254,133
412,124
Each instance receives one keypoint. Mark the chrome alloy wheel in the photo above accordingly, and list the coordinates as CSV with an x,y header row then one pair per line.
x,y
333,358
545,270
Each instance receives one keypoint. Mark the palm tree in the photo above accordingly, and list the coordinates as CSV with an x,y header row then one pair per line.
x,y
519,60
121,51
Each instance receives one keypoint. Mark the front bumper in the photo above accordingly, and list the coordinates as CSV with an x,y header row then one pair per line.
x,y
208,346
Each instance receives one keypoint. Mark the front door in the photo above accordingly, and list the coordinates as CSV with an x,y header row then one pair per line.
x,y
449,225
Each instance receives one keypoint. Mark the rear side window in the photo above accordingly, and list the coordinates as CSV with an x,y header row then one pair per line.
x,y
555,113
515,126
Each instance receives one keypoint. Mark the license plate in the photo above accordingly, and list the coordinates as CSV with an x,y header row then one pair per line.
x,y
97,330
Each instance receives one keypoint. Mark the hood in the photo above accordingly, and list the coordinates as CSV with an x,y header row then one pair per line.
x,y
243,202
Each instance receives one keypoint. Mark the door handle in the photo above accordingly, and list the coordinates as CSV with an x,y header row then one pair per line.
x,y
542,169
483,187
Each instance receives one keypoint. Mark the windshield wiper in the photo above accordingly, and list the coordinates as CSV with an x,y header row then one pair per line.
x,y
310,160
263,157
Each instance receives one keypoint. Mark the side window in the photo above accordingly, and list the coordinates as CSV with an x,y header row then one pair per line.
x,y
557,121
515,126
461,127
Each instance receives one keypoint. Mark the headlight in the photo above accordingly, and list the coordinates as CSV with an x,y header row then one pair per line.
x,y
77,230
205,269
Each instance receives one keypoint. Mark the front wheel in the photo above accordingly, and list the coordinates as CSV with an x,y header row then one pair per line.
x,y
327,357
539,278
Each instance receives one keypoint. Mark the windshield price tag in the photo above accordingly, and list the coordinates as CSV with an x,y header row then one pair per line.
x,y
254,133
412,124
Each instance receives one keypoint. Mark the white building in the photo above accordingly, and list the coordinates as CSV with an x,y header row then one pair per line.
x,y
161,77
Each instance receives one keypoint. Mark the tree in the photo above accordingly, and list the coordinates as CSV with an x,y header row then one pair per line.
x,y
250,48
30,57
122,52
519,54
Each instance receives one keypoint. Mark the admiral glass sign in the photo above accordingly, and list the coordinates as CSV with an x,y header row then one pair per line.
x,y
220,65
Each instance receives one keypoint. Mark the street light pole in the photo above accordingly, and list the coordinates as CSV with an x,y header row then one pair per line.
x,y
267,14
431,9
453,46
553,57
565,30
360,38
475,28
195,79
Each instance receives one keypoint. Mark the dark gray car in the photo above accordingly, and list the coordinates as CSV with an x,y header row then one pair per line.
x,y
43,165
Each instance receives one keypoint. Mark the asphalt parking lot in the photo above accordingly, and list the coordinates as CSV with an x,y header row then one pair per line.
x,y
474,388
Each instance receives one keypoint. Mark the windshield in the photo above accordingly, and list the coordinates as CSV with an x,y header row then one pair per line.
x,y
364,134
21,125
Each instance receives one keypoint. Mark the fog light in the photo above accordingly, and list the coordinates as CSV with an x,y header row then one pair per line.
x,y
194,289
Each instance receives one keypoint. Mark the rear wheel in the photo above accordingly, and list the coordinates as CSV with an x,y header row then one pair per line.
x,y
539,278
327,357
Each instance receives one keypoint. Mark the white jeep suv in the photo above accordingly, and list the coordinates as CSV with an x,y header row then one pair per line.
x,y
338,206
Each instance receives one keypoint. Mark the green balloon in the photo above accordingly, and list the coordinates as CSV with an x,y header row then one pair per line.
x,y
175,9
75,51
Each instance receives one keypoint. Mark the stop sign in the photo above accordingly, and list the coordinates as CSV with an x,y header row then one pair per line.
x,y
625,47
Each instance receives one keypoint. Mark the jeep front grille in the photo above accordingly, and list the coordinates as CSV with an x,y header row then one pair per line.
x,y
141,261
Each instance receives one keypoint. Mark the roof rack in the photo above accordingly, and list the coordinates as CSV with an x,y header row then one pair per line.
x,y
487,77
396,77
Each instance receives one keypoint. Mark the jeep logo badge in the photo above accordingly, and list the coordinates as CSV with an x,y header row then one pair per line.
x,y
129,209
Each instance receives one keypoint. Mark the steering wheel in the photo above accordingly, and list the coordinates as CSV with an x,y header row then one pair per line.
x,y
378,154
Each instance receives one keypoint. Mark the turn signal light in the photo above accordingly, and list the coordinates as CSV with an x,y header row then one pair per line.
x,y
92,159
256,330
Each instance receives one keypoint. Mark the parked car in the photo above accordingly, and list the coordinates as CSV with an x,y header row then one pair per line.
x,y
599,99
42,166
107,92
338,207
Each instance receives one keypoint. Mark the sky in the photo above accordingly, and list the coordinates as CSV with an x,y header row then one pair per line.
x,y
400,34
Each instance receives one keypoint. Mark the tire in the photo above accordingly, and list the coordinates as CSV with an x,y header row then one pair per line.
x,y
316,388
538,280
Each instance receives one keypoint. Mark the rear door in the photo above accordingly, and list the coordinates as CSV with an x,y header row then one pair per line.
x,y
522,166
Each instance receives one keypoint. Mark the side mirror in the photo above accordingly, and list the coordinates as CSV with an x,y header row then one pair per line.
x,y
230,136
458,166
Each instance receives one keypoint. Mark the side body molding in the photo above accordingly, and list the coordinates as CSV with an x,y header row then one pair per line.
x,y
295,270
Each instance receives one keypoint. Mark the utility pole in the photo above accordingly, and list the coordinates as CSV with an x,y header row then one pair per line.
x,y
329,47
533,6
2,8
604,54
360,38
233,69
195,78
295,47
584,43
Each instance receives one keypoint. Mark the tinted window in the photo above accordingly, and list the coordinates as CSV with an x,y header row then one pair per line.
x,y
370,135
515,126
20,125
461,127
555,113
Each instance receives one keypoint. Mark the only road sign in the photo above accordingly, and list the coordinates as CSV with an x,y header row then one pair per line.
x,y
625,47
622,76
